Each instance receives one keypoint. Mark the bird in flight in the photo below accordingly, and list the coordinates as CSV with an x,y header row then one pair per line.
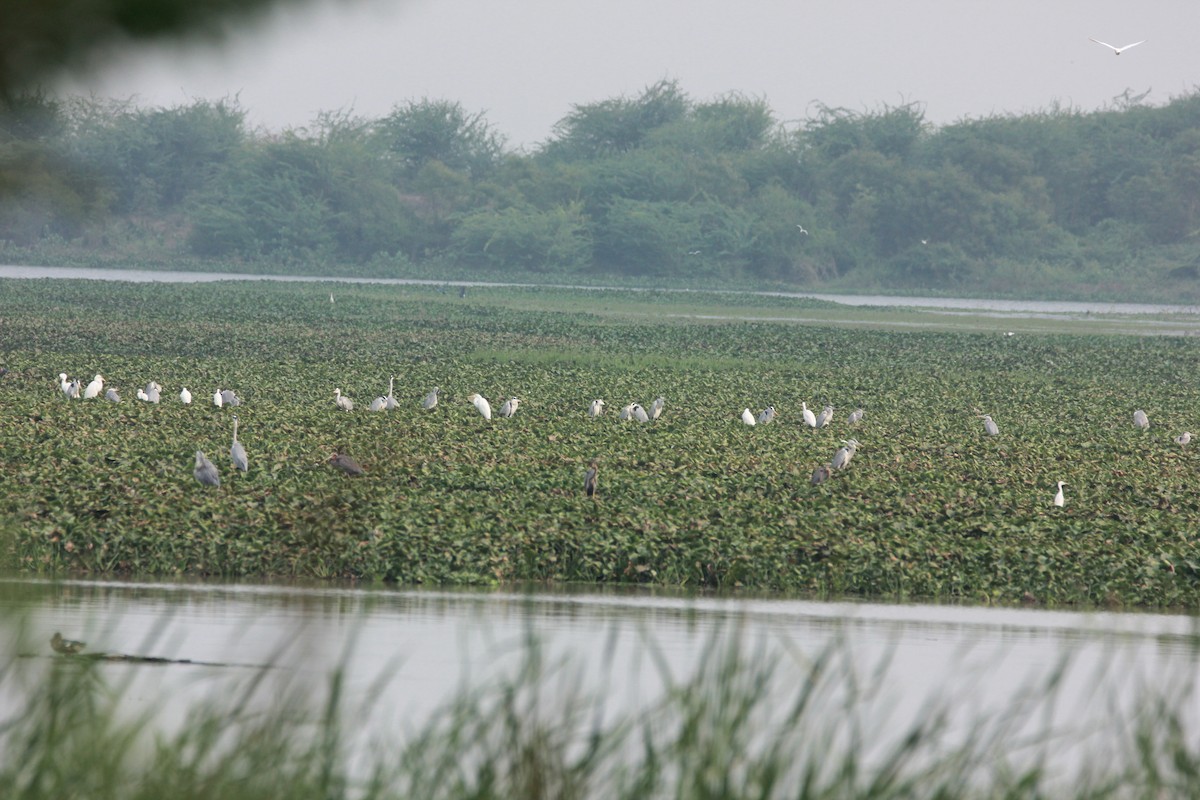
x,y
1116,50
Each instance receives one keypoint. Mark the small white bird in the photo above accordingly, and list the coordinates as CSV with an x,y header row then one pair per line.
x,y
141,394
185,396
748,417
1116,50
855,416
343,402
825,416
1058,498
989,425
218,401
481,405
767,415
378,404
94,388
596,408
63,383
810,419
802,230
639,413
656,408
1140,420
1183,439
510,407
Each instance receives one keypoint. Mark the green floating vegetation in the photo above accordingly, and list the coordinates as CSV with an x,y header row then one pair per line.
x,y
930,507
745,724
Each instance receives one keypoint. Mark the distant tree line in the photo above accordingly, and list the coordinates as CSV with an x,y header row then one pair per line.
x,y
657,185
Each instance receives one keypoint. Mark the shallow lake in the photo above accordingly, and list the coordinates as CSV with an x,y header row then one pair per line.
x,y
407,652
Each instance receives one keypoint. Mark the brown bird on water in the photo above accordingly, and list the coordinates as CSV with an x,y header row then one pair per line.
x,y
346,464
592,479
67,647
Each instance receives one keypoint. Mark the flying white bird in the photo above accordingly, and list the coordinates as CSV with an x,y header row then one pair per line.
x,y
596,408
1058,498
1140,420
481,405
748,417
94,388
810,419
344,403
1116,50
185,396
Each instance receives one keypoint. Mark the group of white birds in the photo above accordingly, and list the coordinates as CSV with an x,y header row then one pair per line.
x,y
150,393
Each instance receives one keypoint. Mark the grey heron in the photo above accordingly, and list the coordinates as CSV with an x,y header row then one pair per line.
x,y
378,404
591,480
236,451
639,413
855,416
656,408
346,464
1183,439
343,402
820,475
431,399
1140,420
230,398
112,395
825,416
205,471
596,408
841,459
510,407
767,415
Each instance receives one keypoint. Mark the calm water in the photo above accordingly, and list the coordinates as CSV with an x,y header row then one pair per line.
x,y
407,653
1060,309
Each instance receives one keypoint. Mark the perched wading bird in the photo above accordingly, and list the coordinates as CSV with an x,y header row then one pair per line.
x,y
841,459
767,415
205,471
627,411
989,425
141,395
747,417
389,401
94,388
639,413
1116,50
481,405
855,416
112,395
378,404
591,481
344,403
218,401
346,464
1058,498
236,451
656,408
596,408
1183,439
810,419
1140,420
825,416
430,400
68,647
510,407
153,392
185,396
230,399
64,384
820,475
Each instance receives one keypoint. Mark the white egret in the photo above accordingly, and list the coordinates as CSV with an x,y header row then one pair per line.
x,y
230,398
205,471
1058,498
841,459
68,647
1183,439
596,408
591,481
63,383
112,395
989,425
218,401
767,415
431,399
236,451
656,408
639,413
825,416
627,411
141,395
185,396
510,407
344,403
802,230
855,416
748,417
1140,420
810,419
346,464
389,402
1116,50
378,404
94,388
481,405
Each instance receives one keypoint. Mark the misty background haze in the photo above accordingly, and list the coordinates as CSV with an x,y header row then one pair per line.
x,y
526,64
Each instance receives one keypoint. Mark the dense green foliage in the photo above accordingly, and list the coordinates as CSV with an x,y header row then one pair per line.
x,y
658,186
930,507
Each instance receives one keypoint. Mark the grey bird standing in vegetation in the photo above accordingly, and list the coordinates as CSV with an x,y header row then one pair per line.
x,y
236,451
153,392
205,472
596,408
389,402
229,398
591,481
767,415
431,399
627,411
1183,439
510,407
67,647
841,459
639,413
111,395
346,464
989,425
820,475
825,416
1140,420
855,416
656,408
378,404
343,402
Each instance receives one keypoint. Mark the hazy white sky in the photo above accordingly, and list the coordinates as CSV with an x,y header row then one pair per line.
x,y
524,63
